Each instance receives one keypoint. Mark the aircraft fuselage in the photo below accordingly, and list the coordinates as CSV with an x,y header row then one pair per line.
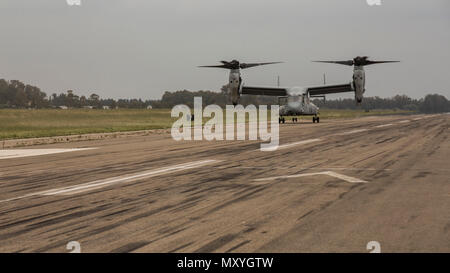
x,y
298,105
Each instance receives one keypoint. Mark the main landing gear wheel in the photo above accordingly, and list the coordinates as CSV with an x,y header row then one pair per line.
x,y
281,120
316,119
294,120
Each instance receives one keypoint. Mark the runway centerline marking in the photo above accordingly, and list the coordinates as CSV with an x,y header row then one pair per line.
x,y
404,121
353,132
288,145
384,125
115,180
316,168
18,153
329,173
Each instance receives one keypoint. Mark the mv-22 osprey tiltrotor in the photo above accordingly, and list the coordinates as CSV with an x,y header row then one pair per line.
x,y
295,101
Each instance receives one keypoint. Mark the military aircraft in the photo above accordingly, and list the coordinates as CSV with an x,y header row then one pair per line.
x,y
359,75
293,101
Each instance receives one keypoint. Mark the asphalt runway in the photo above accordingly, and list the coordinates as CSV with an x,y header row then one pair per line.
x,y
331,187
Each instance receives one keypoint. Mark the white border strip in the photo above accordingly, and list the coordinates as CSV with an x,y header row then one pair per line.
x,y
115,180
329,173
19,153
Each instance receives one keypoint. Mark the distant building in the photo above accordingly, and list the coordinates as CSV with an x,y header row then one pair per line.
x,y
63,107
106,107
88,107
149,107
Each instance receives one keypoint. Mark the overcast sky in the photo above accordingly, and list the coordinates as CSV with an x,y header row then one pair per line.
x,y
141,48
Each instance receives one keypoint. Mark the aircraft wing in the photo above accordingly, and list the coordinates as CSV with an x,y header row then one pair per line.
x,y
313,91
329,89
264,91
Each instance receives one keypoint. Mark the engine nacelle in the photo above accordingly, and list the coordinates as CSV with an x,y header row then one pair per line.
x,y
358,84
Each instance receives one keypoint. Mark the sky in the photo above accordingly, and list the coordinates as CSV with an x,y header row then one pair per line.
x,y
142,48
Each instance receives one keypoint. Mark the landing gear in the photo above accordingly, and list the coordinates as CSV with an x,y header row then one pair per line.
x,y
316,119
281,120
294,120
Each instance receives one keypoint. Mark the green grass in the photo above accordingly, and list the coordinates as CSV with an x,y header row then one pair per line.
x,y
333,113
15,123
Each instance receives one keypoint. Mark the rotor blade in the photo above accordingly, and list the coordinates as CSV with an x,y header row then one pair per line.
x,y
380,62
244,66
216,66
349,62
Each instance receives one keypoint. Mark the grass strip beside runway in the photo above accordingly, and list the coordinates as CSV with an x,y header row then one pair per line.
x,y
22,123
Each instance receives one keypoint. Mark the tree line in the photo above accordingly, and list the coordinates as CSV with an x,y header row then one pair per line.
x,y
15,94
431,103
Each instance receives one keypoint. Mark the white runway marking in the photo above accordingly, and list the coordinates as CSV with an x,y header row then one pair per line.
x,y
417,118
17,153
316,168
329,173
404,121
115,180
384,125
352,132
303,142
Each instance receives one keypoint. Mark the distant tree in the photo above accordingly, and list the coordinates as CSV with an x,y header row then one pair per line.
x,y
83,101
20,99
435,104
36,98
94,97
94,100
4,93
